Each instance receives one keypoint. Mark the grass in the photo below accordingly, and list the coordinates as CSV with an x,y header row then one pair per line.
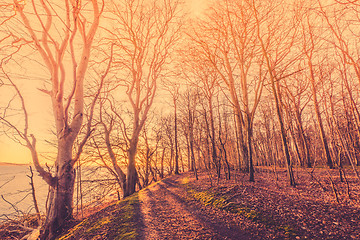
x,y
212,198
118,221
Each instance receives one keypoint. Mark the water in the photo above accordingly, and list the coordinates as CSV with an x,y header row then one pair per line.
x,y
15,188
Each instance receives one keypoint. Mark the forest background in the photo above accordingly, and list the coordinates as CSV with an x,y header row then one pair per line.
x,y
143,90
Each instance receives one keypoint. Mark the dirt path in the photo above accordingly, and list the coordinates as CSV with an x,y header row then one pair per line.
x,y
169,214
180,207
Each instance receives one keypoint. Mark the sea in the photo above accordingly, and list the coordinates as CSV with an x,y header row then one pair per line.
x,y
15,191
16,196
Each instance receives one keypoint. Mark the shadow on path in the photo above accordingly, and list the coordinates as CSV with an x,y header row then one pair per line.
x,y
168,214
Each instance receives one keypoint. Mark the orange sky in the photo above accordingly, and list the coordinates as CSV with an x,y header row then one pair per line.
x,y
197,6
39,108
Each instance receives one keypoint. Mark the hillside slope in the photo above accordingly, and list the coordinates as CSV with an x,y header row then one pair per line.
x,y
164,210
179,207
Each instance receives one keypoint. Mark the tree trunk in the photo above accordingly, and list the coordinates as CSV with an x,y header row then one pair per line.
x,y
190,166
191,141
162,164
171,168
147,168
215,157
60,208
176,141
120,175
239,124
131,176
238,153
295,142
277,96
250,149
305,144
318,116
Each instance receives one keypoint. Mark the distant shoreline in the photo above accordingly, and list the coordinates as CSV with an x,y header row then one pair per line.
x,y
13,164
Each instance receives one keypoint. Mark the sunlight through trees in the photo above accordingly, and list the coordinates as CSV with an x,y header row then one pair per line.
x,y
140,90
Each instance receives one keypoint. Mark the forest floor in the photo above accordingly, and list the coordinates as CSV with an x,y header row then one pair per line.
x,y
181,207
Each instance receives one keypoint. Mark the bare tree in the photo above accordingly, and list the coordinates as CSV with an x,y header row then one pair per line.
x,y
228,41
52,30
192,97
342,19
173,88
201,75
277,44
145,33
310,42
298,98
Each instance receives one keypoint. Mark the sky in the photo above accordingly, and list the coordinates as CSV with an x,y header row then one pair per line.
x,y
197,6
39,105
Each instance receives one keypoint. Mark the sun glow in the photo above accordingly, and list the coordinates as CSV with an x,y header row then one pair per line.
x,y
197,7
12,152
